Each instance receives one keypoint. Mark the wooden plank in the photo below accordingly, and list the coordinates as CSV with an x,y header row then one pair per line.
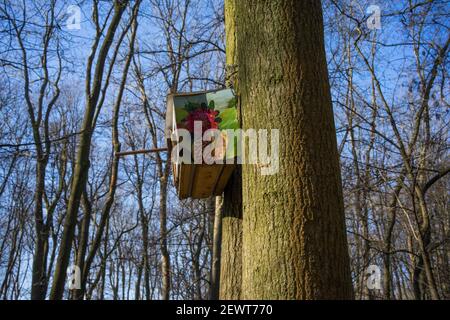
x,y
175,169
170,118
205,179
223,179
200,181
184,181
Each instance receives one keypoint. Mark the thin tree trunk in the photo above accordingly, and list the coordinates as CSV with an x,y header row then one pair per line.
x,y
216,248
82,246
392,212
39,278
165,258
82,159
144,225
114,167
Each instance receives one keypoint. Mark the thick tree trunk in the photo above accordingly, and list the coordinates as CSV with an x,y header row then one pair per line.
x,y
294,239
231,257
231,251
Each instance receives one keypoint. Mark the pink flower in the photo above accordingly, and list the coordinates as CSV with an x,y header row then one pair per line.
x,y
206,116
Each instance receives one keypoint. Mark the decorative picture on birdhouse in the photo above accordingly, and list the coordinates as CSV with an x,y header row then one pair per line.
x,y
205,111
199,127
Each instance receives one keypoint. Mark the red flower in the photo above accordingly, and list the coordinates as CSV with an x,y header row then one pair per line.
x,y
206,116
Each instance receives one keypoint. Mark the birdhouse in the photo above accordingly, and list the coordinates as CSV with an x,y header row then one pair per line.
x,y
190,118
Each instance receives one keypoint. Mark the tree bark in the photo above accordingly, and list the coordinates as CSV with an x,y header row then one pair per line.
x,y
294,238
231,252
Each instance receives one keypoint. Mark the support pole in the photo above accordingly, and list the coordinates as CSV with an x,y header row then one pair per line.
x,y
127,153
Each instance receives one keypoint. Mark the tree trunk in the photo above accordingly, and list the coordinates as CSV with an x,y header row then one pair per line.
x,y
144,223
294,239
39,278
387,259
231,253
82,158
83,243
216,247
165,258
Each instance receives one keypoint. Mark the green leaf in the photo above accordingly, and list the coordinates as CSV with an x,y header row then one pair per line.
x,y
232,103
231,124
180,114
228,114
211,105
229,119
191,106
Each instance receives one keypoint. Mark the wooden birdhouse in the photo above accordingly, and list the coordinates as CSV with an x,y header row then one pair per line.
x,y
188,117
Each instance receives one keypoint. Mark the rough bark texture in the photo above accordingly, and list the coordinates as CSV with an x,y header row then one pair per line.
x,y
294,239
231,256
